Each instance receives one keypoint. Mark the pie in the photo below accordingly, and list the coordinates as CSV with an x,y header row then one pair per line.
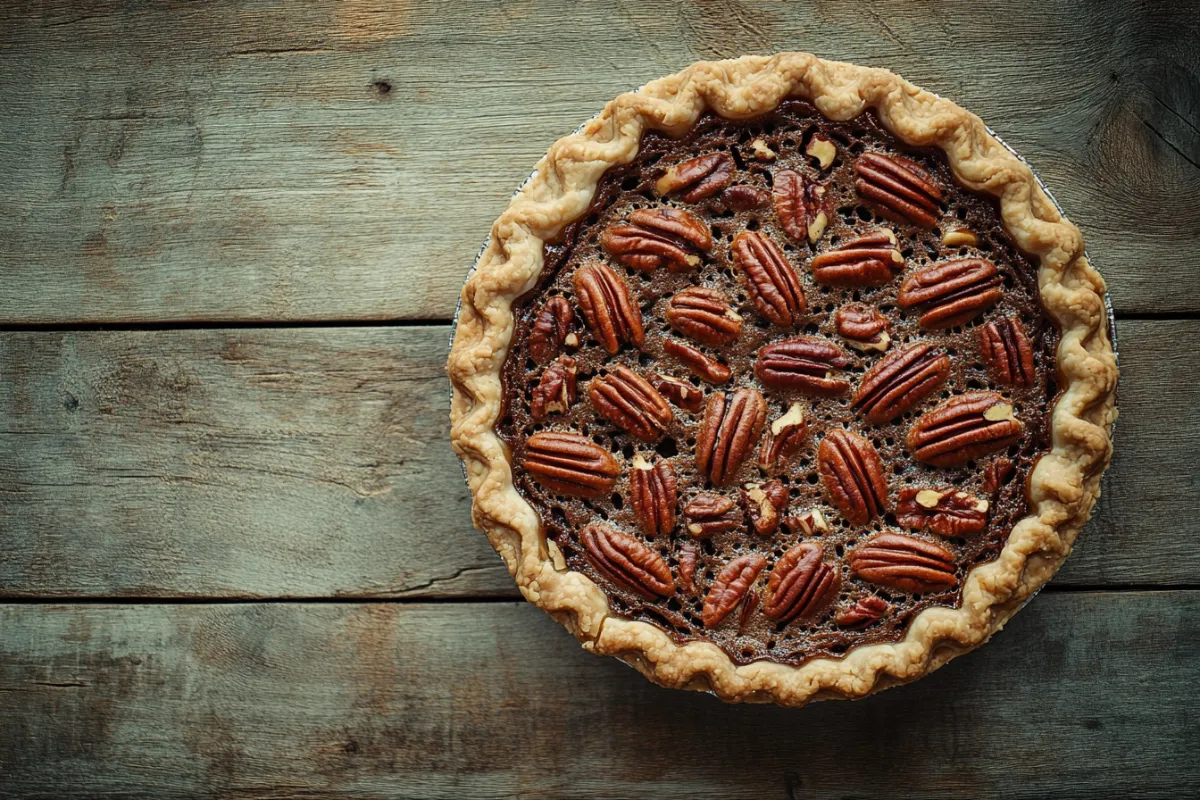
x,y
782,379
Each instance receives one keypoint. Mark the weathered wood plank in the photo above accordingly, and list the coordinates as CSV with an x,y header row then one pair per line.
x,y
1083,696
276,462
243,160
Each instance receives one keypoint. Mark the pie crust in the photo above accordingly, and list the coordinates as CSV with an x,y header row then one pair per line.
x,y
1063,487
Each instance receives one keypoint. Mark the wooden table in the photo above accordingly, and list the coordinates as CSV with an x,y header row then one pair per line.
x,y
236,556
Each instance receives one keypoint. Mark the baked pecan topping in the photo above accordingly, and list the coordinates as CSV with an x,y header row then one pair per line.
x,y
899,381
628,401
853,476
904,563
863,612
783,439
553,328
699,363
997,474
1008,353
764,503
567,463
697,178
946,512
652,493
810,523
555,391
951,293
627,562
681,393
962,428
863,327
800,584
689,552
803,363
898,188
705,315
771,281
799,205
730,586
870,260
730,430
608,307
744,198
658,237
708,514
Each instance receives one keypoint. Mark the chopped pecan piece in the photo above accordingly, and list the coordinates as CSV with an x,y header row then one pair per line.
x,y
689,553
744,198
627,562
898,188
567,463
870,260
652,493
697,178
708,514
699,363
951,293
864,611
799,206
783,439
771,281
899,381
658,237
962,428
551,330
946,512
628,401
555,391
904,563
730,431
959,237
681,393
803,363
764,502
822,149
730,586
762,151
608,307
800,584
997,474
863,327
1008,353
705,315
810,523
853,476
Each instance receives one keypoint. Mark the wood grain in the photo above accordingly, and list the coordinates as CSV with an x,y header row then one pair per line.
x,y
1082,696
315,462
243,160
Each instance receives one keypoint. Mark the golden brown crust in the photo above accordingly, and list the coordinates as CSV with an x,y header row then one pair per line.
x,y
1063,487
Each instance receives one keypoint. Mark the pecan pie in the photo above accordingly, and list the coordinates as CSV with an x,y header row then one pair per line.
x,y
782,379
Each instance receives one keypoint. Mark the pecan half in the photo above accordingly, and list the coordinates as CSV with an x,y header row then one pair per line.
x,y
997,474
730,586
705,315
708,514
962,428
697,178
800,584
681,393
798,204
689,553
551,330
810,523
658,237
608,307
899,381
803,363
699,363
567,463
863,327
652,493
771,281
744,198
870,260
898,188
628,401
749,606
764,502
863,612
853,476
729,433
555,391
952,292
1008,353
946,512
904,563
627,562
783,439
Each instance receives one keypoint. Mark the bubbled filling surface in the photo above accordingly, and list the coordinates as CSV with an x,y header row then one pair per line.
x,y
623,189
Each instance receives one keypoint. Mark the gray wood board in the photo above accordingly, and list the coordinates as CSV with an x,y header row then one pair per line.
x,y
251,161
316,462
1084,695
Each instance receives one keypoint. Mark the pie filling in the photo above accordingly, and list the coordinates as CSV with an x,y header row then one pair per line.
x,y
782,387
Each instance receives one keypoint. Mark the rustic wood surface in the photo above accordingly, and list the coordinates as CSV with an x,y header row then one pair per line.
x,y
235,549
